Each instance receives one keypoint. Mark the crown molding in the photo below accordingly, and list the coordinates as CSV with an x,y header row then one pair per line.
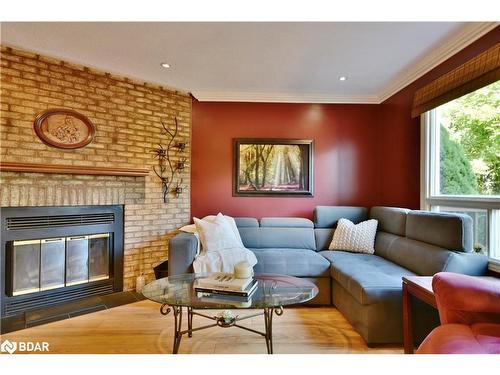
x,y
282,97
450,47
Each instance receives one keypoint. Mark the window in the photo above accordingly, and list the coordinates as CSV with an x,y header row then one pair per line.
x,y
461,163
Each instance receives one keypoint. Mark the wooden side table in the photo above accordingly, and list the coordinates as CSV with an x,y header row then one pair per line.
x,y
421,288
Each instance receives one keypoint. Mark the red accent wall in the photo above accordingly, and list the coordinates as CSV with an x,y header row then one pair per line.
x,y
345,155
399,143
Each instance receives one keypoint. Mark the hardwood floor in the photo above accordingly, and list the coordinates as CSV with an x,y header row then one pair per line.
x,y
140,328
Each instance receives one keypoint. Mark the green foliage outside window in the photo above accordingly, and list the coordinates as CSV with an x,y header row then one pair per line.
x,y
472,142
457,176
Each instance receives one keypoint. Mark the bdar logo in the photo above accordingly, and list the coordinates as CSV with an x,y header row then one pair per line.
x,y
24,346
8,346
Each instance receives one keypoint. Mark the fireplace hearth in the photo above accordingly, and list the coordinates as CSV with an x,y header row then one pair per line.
x,y
55,255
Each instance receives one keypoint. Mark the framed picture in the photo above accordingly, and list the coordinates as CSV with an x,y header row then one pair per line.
x,y
273,167
64,128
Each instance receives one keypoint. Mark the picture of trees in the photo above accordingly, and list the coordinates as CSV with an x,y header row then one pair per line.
x,y
270,167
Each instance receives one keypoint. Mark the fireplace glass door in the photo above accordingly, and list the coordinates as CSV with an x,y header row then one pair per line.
x,y
52,259
26,265
99,256
77,257
50,263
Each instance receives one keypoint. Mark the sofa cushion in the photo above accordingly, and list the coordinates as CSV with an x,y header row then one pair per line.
x,y
323,238
292,238
246,222
286,222
450,231
488,336
327,216
420,257
277,232
292,262
368,278
390,219
425,259
295,238
462,339
249,236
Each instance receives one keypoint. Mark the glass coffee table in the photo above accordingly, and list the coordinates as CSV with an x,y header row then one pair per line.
x,y
272,294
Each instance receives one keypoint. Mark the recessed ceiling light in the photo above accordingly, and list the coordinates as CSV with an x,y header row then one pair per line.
x,y
165,65
342,78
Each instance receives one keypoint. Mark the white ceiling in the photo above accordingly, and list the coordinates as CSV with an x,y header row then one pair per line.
x,y
270,62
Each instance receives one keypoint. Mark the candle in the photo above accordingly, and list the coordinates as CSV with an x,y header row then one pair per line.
x,y
243,270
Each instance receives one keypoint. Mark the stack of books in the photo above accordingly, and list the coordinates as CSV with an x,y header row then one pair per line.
x,y
225,288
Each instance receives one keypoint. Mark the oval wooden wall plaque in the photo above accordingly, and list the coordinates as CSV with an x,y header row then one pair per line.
x,y
64,128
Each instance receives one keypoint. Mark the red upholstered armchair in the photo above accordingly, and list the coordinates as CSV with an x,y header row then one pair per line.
x,y
469,310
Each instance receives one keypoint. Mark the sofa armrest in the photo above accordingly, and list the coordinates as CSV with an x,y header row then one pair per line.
x,y
182,251
467,263
466,299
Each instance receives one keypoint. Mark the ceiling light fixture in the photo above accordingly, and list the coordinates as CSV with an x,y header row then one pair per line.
x,y
165,65
342,78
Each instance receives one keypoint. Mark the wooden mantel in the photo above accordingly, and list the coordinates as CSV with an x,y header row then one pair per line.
x,y
72,169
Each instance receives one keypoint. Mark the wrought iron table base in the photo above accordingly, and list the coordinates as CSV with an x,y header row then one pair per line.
x,y
267,312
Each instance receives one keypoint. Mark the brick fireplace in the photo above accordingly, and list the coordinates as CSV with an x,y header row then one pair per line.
x,y
127,115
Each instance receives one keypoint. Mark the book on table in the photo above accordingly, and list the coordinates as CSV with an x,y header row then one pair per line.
x,y
223,281
242,288
224,299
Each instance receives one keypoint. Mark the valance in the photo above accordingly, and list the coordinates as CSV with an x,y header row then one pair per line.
x,y
470,76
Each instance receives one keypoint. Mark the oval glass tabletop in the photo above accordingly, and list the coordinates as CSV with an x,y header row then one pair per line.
x,y
272,291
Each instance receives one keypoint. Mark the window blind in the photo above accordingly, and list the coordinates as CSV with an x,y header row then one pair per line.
x,y
470,76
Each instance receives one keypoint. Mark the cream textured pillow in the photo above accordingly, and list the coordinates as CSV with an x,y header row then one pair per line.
x,y
217,234
358,238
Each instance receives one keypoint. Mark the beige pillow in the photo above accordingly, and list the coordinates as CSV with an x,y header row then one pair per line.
x,y
231,222
358,238
191,228
217,234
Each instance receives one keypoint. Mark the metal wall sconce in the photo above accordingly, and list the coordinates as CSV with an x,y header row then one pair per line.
x,y
178,189
180,146
181,164
168,170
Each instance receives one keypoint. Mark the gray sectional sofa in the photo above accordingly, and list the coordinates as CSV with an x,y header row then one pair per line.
x,y
365,288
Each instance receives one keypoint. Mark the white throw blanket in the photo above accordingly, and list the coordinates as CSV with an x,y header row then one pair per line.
x,y
222,260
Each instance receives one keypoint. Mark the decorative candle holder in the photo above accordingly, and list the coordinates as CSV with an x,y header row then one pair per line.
x,y
181,164
180,146
178,189
226,319
168,170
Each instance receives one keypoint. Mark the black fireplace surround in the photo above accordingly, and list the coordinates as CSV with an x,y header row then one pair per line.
x,y
62,234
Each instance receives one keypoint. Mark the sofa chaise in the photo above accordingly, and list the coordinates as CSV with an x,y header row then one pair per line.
x,y
365,288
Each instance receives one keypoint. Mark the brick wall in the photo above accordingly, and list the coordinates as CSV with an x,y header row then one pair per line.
x,y
127,115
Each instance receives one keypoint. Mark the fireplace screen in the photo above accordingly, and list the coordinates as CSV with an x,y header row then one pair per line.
x,y
52,263
98,257
26,259
77,260
44,264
